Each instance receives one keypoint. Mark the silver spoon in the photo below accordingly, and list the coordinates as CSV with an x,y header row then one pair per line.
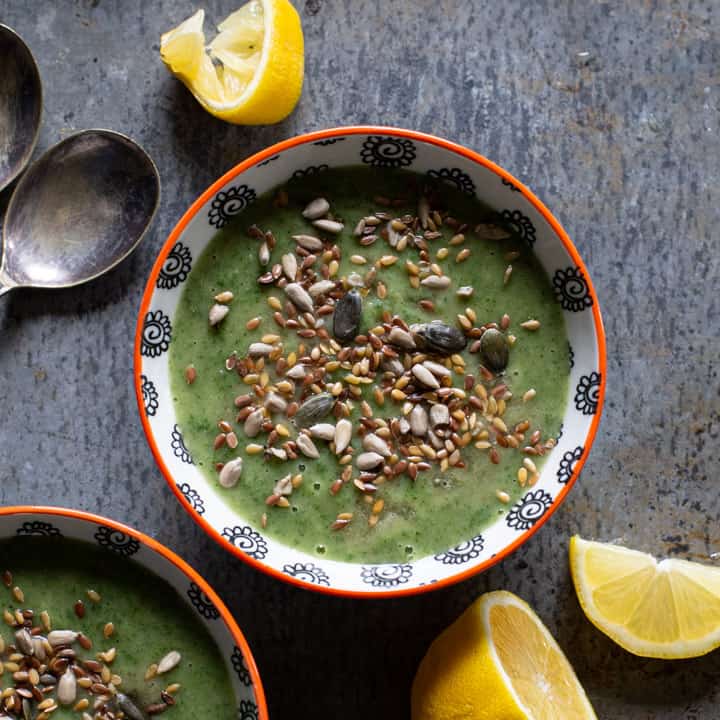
x,y
20,105
78,211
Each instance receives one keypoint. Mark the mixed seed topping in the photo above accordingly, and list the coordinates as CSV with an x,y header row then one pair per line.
x,y
44,668
431,409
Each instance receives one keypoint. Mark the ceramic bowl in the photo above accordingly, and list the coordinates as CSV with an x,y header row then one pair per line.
x,y
51,522
385,148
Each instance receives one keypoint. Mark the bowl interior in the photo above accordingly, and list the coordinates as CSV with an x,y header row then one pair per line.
x,y
380,147
114,538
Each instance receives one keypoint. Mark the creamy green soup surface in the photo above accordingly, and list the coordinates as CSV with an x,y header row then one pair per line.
x,y
458,423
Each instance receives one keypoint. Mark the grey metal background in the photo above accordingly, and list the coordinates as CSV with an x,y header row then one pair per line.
x,y
623,146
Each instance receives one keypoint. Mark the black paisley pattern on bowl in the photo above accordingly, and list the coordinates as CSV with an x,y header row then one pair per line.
x,y
150,395
571,356
392,152
176,267
308,572
228,203
455,177
116,541
571,289
527,511
202,603
156,335
240,666
38,527
567,464
268,161
193,497
587,393
244,538
463,552
247,710
386,576
521,224
507,183
310,170
329,141
178,446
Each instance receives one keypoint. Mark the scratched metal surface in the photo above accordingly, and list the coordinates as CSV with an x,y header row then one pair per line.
x,y
621,143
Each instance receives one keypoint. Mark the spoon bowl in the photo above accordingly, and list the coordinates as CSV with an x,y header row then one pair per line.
x,y
78,211
20,105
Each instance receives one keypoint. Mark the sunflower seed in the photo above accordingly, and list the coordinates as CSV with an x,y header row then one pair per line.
x,y
67,688
465,292
283,487
169,662
419,421
299,297
321,287
253,423
436,282
259,349
230,473
307,446
439,415
425,376
313,409
393,366
359,228
347,316
217,313
264,254
309,242
275,403
343,434
289,266
329,226
24,642
62,637
491,232
316,209
368,460
402,339
376,444
423,211
323,431
437,368
132,712
296,372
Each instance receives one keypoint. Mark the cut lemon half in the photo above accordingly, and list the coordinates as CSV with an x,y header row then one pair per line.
x,y
667,609
252,72
497,661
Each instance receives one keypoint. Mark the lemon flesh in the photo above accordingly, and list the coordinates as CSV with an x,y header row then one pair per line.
x,y
667,609
497,661
252,71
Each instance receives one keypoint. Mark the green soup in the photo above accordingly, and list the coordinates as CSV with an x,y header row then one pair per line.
x,y
149,620
466,475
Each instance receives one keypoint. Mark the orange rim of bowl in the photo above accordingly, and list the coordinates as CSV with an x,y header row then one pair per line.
x,y
422,138
175,560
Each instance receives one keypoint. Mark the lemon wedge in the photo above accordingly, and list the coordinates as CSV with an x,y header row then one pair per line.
x,y
252,72
667,609
497,661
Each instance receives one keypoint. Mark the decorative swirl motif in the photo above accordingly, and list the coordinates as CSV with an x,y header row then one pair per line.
x,y
527,511
567,464
462,553
520,224
240,666
38,527
587,393
510,185
329,141
228,203
308,171
571,289
308,572
156,335
386,575
455,177
268,161
176,267
117,541
202,603
247,710
571,356
393,152
150,396
246,539
193,497
178,446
